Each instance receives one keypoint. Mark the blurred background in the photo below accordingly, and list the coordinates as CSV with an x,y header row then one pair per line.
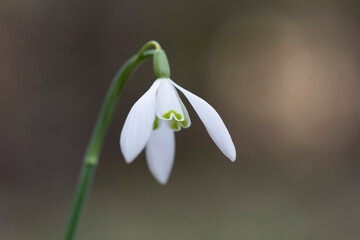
x,y
284,75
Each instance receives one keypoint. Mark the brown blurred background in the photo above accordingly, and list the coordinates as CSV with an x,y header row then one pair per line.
x,y
284,75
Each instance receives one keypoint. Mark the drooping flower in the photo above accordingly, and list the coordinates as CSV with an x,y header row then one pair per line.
x,y
159,113
155,117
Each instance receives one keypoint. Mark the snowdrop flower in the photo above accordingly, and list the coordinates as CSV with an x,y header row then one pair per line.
x,y
158,114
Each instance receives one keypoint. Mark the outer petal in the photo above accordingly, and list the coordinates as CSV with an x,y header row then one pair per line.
x,y
213,123
160,153
139,124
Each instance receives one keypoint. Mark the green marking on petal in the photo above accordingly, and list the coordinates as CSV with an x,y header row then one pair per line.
x,y
168,115
174,124
156,123
185,123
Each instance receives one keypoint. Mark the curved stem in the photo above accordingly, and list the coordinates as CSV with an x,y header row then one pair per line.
x,y
109,104
94,146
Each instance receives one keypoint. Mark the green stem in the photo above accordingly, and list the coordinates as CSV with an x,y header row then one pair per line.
x,y
91,157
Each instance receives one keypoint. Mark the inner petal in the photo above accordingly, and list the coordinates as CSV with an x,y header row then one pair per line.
x,y
174,125
157,123
168,103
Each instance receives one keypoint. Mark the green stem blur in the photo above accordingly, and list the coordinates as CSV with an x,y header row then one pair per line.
x,y
91,157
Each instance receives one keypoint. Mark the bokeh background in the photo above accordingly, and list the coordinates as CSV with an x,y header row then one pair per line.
x,y
284,75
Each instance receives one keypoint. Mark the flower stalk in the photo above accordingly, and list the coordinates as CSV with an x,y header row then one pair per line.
x,y
92,153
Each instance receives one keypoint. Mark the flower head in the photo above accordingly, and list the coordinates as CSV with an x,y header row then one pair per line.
x,y
155,117
159,113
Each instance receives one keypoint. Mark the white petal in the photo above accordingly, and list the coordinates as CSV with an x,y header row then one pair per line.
x,y
160,153
177,125
173,124
168,104
187,121
139,124
213,123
